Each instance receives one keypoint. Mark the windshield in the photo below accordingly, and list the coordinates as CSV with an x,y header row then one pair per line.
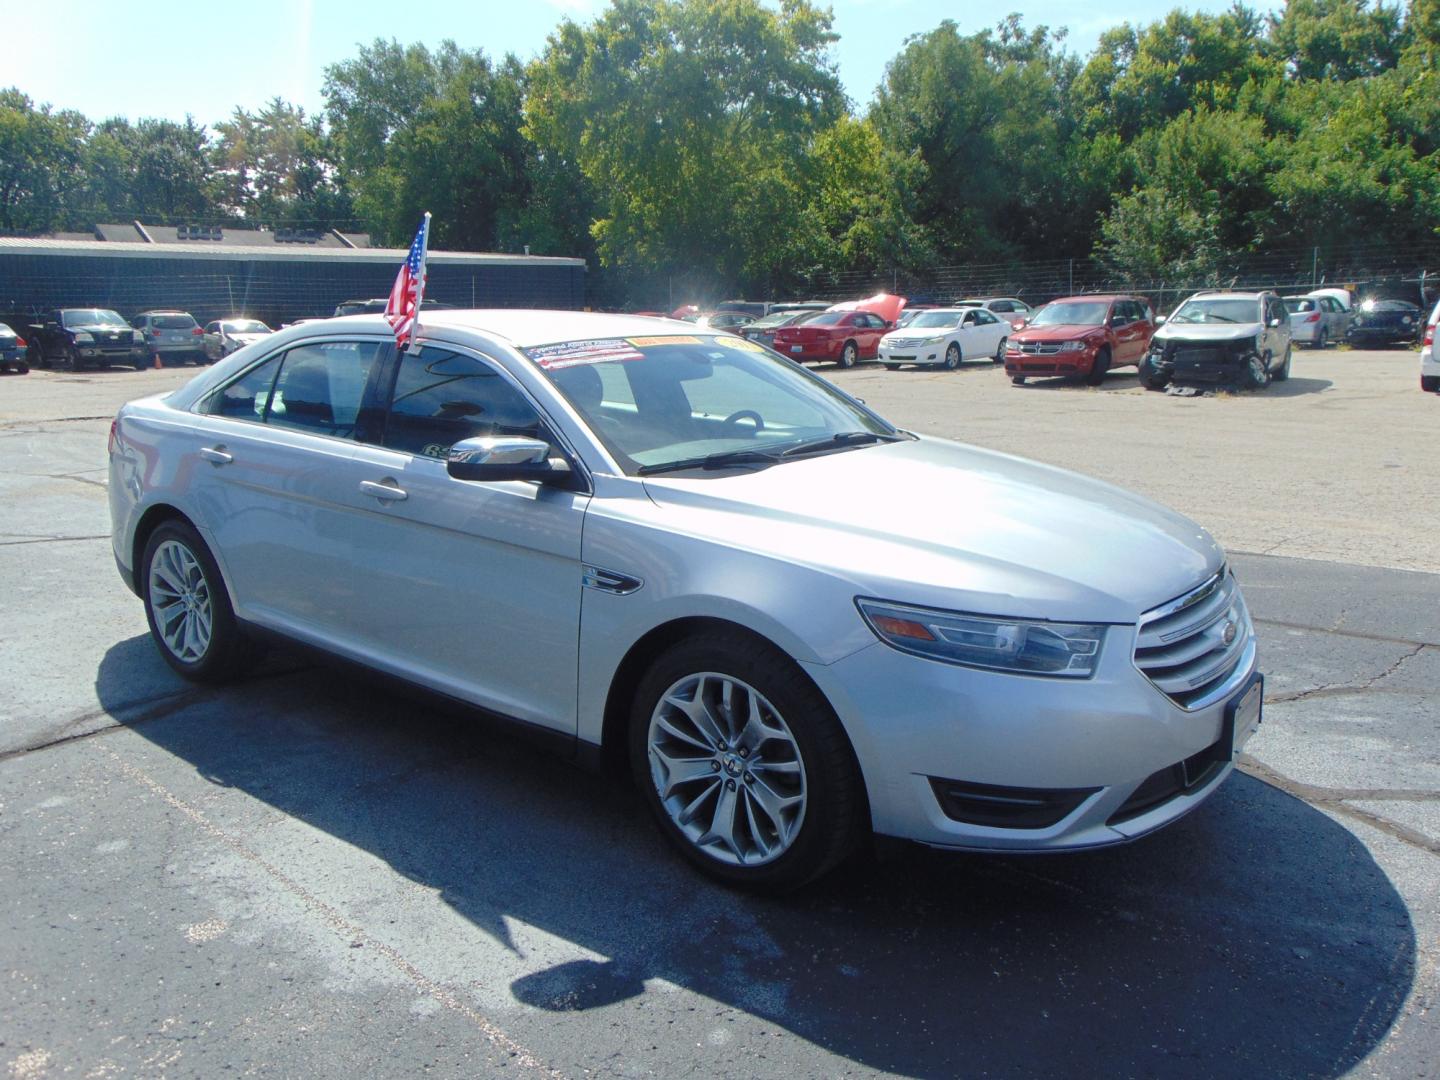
x,y
1076,313
1218,310
1297,307
935,320
659,401
1390,305
91,317
245,326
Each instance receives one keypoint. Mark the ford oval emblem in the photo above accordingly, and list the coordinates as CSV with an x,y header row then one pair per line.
x,y
1227,636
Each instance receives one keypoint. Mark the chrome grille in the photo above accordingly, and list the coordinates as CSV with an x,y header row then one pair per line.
x,y
1045,348
1182,648
903,343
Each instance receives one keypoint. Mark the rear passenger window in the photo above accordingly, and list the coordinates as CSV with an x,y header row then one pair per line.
x,y
442,397
316,388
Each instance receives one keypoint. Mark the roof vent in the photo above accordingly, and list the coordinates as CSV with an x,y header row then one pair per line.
x,y
199,232
297,236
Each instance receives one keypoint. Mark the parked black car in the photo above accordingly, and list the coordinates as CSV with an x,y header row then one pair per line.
x,y
12,351
85,337
1386,322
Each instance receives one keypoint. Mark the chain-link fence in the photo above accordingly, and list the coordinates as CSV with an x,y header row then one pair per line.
x,y
1401,272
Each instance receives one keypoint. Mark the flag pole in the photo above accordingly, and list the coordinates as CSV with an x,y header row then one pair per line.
x,y
424,274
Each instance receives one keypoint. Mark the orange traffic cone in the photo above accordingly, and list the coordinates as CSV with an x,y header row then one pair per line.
x,y
157,365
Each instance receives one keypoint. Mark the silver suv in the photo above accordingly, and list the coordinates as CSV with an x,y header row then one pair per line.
x,y
1221,339
173,336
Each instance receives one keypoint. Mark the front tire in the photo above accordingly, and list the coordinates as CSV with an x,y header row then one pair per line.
x,y
999,357
952,357
744,763
849,354
188,609
892,367
1430,384
1256,375
1017,380
1150,375
1098,368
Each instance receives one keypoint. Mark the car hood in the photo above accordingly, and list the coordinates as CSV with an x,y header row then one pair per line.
x,y
1062,332
99,328
246,339
947,525
1206,332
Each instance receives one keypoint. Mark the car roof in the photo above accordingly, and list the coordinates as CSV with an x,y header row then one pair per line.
x,y
1107,297
165,311
522,327
1230,294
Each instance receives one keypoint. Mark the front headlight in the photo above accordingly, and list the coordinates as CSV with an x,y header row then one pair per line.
x,y
1072,346
82,338
1024,646
934,340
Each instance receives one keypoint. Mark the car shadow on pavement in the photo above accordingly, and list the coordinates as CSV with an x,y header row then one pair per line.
x,y
1255,937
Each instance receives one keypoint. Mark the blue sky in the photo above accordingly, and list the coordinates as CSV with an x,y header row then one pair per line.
x,y
163,58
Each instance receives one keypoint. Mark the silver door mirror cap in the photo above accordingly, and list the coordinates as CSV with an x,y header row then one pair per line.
x,y
505,457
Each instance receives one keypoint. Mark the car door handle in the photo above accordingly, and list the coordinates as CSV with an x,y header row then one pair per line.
x,y
216,454
390,492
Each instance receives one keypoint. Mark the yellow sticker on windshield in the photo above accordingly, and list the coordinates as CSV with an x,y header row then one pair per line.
x,y
742,343
641,342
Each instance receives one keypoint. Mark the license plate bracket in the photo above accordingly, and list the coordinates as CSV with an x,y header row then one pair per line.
x,y
1243,714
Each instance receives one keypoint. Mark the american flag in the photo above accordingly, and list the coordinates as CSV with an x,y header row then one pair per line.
x,y
402,310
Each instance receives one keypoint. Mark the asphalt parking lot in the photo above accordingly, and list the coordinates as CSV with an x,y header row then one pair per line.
x,y
307,874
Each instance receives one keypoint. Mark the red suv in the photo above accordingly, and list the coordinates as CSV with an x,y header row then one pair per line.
x,y
841,336
1082,337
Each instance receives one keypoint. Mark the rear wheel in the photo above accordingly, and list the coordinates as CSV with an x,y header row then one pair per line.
x,y
952,356
1098,368
849,354
744,764
1430,384
188,609
1283,372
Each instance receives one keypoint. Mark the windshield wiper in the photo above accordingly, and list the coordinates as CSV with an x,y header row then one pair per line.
x,y
725,459
843,438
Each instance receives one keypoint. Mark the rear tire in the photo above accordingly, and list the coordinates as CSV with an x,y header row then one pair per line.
x,y
849,354
1284,372
1430,384
710,709
188,608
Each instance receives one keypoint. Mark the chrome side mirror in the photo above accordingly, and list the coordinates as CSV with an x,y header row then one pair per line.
x,y
1160,319
508,457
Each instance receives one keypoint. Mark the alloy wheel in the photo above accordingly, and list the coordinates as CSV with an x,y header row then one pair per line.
x,y
727,769
180,601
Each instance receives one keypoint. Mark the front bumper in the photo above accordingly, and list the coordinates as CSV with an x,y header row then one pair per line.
x,y
912,354
1073,362
919,725
1382,335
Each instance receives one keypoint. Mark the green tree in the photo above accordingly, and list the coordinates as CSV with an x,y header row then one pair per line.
x,y
40,151
691,121
274,168
1335,39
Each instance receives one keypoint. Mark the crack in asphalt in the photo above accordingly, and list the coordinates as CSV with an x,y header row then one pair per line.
x,y
1361,634
351,932
1333,689
1338,800
52,540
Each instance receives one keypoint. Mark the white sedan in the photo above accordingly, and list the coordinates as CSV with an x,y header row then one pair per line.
x,y
946,336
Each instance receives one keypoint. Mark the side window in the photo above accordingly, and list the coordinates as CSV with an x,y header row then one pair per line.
x,y
321,386
247,396
442,397
1002,305
212,328
984,318
138,322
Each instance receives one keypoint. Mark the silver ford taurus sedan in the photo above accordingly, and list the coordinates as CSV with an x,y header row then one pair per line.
x,y
672,549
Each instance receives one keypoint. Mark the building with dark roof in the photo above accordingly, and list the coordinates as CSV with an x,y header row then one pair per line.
x,y
276,275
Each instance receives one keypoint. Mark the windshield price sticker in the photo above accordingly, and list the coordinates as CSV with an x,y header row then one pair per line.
x,y
574,353
742,343
642,342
